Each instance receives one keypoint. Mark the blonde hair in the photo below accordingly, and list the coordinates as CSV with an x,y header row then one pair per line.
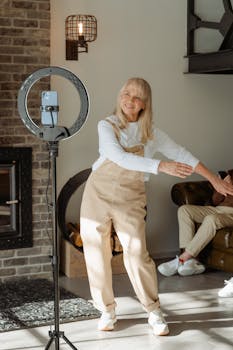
x,y
145,115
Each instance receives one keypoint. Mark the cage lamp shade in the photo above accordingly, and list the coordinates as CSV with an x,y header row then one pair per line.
x,y
79,30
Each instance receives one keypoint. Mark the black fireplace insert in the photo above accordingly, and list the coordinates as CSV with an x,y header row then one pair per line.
x,y
15,197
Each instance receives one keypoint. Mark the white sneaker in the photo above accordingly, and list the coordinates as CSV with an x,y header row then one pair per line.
x,y
227,291
191,267
158,323
169,268
107,321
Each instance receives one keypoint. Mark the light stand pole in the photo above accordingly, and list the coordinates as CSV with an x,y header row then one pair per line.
x,y
53,134
56,334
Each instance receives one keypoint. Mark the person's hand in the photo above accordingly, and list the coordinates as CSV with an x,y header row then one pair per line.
x,y
223,186
220,185
227,179
175,169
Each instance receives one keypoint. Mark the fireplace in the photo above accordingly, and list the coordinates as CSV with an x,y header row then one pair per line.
x,y
15,197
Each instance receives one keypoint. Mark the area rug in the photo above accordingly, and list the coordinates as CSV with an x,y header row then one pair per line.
x,y
30,303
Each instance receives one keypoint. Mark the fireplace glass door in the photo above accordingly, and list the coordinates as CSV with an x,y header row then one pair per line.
x,y
8,199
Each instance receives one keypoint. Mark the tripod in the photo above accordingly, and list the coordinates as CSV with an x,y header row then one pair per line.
x,y
56,334
53,135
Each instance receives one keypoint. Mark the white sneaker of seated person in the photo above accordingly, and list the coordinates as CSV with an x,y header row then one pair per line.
x,y
158,323
191,267
227,291
107,321
169,268
187,268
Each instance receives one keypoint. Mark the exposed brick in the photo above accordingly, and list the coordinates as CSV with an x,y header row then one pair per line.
x,y
6,254
5,113
19,130
41,208
44,24
39,259
12,50
9,86
38,275
25,48
6,95
5,41
32,68
42,242
15,262
44,6
5,58
12,12
45,42
8,131
5,77
25,270
44,216
46,251
5,22
13,140
9,122
39,14
40,224
38,191
7,272
14,68
36,216
7,104
44,60
29,251
11,32
36,235
23,4
19,77
42,156
25,41
5,3
25,23
48,232
25,59
47,268
44,165
36,165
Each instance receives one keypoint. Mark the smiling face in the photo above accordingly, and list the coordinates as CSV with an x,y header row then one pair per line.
x,y
131,102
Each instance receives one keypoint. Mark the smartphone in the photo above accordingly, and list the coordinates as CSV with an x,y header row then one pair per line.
x,y
49,108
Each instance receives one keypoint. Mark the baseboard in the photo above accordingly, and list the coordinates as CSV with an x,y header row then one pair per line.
x,y
165,255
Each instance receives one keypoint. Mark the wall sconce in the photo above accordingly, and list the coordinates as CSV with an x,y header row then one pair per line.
x,y
80,29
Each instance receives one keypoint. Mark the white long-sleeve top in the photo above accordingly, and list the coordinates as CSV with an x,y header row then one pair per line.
x,y
112,149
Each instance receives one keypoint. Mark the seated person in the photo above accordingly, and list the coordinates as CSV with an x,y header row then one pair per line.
x,y
210,218
227,291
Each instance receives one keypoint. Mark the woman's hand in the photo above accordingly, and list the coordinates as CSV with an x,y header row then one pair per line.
x,y
175,169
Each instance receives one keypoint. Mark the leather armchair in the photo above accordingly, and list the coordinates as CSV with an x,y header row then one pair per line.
x,y
219,252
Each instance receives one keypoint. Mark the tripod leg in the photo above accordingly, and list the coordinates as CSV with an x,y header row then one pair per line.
x,y
69,342
56,336
49,343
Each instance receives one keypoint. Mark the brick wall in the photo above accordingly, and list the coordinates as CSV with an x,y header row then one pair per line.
x,y
24,48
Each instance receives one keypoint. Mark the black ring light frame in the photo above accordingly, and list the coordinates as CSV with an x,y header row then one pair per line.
x,y
53,134
59,133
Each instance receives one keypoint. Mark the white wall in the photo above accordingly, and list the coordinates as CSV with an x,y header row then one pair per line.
x,y
147,39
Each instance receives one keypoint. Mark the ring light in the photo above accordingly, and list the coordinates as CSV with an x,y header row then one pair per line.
x,y
55,133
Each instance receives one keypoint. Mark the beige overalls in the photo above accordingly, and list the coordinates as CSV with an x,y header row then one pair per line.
x,y
114,195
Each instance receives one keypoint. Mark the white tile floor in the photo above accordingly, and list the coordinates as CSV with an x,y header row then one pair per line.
x,y
197,318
